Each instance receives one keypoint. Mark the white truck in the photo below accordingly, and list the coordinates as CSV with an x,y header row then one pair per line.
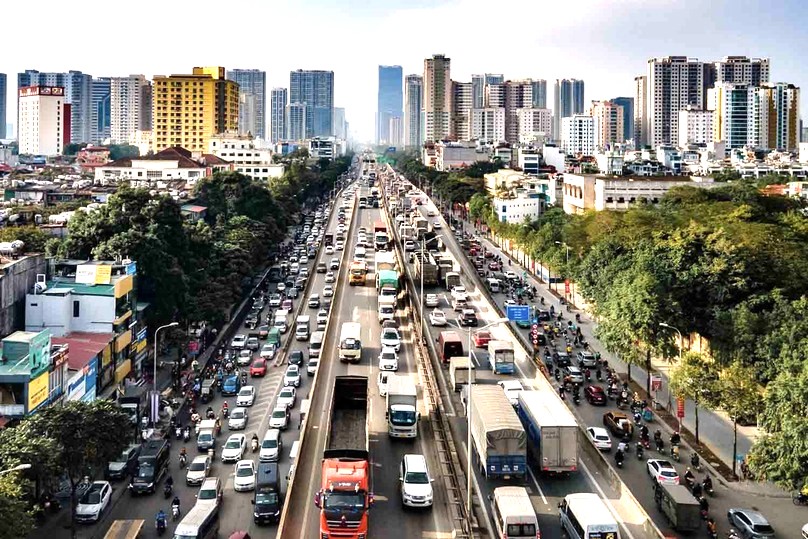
x,y
552,439
350,342
402,407
461,371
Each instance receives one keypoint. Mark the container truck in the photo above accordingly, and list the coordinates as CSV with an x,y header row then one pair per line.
x,y
497,434
380,237
350,342
425,265
461,371
402,407
385,260
500,357
677,503
552,431
344,498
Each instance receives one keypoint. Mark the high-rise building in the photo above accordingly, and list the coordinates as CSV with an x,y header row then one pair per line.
x,y
413,92
488,125
628,116
437,99
539,93
130,107
578,135
641,111
494,78
737,70
781,102
189,109
101,111
78,93
674,82
3,94
695,126
738,111
495,95
535,125
568,99
608,123
462,99
247,113
518,95
390,102
340,125
478,91
44,120
277,113
315,89
296,118
251,82
396,132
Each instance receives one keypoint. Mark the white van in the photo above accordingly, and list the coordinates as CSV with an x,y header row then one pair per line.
x,y
302,327
360,253
316,343
281,320
514,516
585,516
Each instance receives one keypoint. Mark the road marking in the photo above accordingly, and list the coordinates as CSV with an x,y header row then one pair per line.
x,y
535,482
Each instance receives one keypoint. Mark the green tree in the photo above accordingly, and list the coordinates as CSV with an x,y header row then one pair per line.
x,y
86,436
739,397
17,520
34,237
119,151
695,378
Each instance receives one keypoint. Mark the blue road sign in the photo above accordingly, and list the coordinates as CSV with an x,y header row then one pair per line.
x,y
518,313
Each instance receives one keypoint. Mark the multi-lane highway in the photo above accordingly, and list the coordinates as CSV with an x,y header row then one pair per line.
x,y
387,518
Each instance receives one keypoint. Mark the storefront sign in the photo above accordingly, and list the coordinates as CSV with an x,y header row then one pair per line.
x,y
38,389
76,386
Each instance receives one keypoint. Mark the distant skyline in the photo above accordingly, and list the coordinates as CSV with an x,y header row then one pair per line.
x,y
613,41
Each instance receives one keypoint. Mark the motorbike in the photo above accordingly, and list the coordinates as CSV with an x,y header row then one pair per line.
x,y
254,445
660,445
675,453
599,375
645,443
183,460
707,486
694,461
160,524
178,432
799,499
186,434
637,418
639,451
576,398
175,512
167,490
225,412
618,459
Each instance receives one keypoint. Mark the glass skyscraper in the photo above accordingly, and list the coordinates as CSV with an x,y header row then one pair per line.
x,y
390,101
252,82
315,90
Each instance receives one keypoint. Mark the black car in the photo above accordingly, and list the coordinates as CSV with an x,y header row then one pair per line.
x,y
468,318
296,357
125,464
562,359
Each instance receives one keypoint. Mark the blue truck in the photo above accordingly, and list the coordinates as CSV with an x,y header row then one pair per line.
x,y
497,434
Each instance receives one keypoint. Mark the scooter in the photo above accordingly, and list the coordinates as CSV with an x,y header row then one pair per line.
x,y
639,451
254,445
695,462
183,460
167,490
186,434
161,526
675,452
175,512
576,398
178,432
618,459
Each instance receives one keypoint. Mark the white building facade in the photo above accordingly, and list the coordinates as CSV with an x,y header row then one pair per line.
x,y
535,125
130,107
488,124
41,126
695,126
517,210
247,158
578,135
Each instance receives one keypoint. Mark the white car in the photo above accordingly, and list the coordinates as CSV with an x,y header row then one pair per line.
x,y
436,225
279,418
416,483
437,318
431,300
275,300
334,265
431,213
388,360
198,470
268,351
391,338
233,448
292,376
339,246
409,245
246,396
287,397
662,472
244,357
382,383
512,388
330,277
600,438
459,292
328,291
311,366
244,479
238,342
93,502
322,317
238,419
329,250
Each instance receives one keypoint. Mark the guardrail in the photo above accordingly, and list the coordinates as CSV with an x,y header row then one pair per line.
x,y
327,338
452,471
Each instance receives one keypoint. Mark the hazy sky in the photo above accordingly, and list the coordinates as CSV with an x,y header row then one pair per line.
x,y
604,42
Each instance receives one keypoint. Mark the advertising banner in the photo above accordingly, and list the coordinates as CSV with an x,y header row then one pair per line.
x,y
38,389
76,386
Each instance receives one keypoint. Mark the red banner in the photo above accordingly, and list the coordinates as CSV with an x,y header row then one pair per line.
x,y
680,408
566,286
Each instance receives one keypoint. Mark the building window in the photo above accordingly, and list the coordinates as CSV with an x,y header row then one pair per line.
x,y
76,308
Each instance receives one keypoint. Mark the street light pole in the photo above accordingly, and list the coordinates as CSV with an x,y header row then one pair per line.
x,y
469,471
17,468
156,348
680,343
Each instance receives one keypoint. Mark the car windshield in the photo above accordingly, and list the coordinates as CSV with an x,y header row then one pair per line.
x,y
245,392
207,494
237,415
266,499
232,444
763,528
244,471
92,497
197,466
270,444
400,417
345,501
417,478
278,413
390,334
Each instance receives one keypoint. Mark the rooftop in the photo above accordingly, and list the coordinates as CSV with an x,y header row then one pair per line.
x,y
83,347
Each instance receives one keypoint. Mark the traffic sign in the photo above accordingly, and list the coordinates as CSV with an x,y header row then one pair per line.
x,y
534,327
518,313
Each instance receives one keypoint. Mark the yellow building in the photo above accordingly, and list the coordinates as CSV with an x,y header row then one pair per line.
x,y
188,109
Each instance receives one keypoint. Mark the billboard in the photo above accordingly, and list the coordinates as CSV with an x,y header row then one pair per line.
x,y
90,379
76,386
93,274
38,390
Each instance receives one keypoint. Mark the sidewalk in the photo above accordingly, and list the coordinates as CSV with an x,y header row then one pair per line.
x,y
715,428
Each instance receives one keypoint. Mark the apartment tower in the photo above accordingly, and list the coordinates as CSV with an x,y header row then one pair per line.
x,y
77,92
277,112
44,120
130,101
568,99
315,90
413,92
252,85
437,98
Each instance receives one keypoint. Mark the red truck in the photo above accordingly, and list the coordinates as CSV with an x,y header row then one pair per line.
x,y
344,498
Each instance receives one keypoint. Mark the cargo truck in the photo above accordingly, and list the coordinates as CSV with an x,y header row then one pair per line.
x,y
402,407
498,437
357,273
385,260
350,342
344,498
135,404
380,237
552,431
679,506
461,371
426,266
421,226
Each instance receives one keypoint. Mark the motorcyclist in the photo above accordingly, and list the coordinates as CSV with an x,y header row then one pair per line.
x,y
658,439
160,518
694,460
704,505
689,479
696,490
711,527
675,438
618,456
707,484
